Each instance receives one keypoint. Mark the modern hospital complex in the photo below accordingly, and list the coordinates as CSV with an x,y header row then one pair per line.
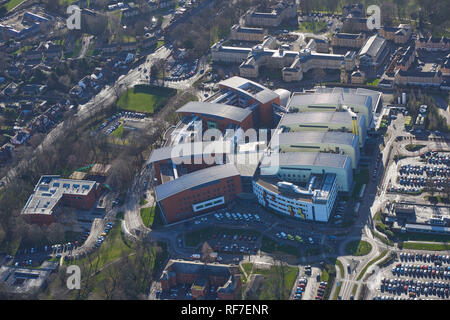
x,y
302,155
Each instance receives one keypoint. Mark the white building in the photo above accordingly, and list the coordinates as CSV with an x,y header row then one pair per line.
x,y
314,202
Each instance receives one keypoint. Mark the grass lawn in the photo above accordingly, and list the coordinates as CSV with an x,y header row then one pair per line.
x,y
324,276
271,246
247,267
312,26
358,248
112,248
372,82
337,291
426,246
355,288
159,44
91,50
12,4
118,133
328,275
290,274
144,98
66,2
339,264
363,271
76,51
97,289
416,236
148,216
383,239
414,147
22,49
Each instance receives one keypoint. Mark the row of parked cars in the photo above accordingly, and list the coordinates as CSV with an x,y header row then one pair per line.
x,y
288,236
434,157
235,237
404,256
321,290
179,70
422,271
415,288
420,170
301,285
237,216
235,248
339,212
117,116
102,237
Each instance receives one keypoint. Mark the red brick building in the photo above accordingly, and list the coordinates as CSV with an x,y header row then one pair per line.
x,y
53,191
248,94
187,158
200,277
198,192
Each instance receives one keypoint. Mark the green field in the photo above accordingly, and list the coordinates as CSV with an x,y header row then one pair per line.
x,y
313,27
414,147
148,216
269,290
355,288
12,4
247,267
118,133
363,271
144,98
373,82
358,248
112,248
66,2
426,246
159,44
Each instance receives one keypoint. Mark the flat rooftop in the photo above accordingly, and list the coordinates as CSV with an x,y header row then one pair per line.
x,y
316,137
188,150
321,188
339,117
216,110
250,88
49,191
21,280
328,99
195,179
314,159
372,46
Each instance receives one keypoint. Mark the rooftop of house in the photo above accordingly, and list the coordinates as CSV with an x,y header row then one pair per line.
x,y
49,191
318,188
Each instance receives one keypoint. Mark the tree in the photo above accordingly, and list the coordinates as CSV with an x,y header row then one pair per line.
x,y
387,13
207,253
275,286
306,6
158,70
